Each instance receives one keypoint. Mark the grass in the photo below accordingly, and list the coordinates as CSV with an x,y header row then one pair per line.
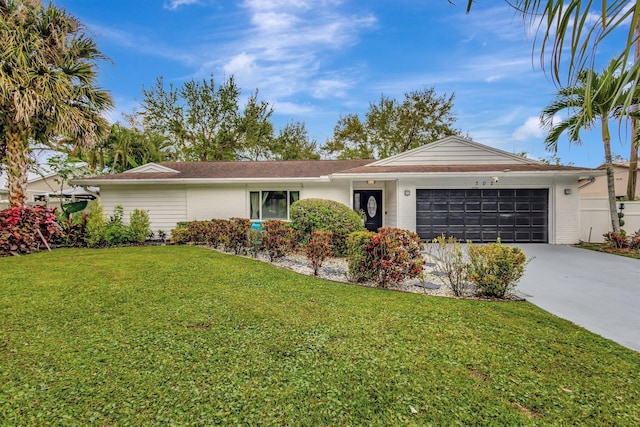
x,y
604,247
188,336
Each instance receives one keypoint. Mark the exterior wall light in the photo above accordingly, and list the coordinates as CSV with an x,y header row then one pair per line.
x,y
407,192
371,182
567,191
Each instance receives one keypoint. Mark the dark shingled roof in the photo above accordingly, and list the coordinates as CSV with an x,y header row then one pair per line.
x,y
462,168
311,169
242,170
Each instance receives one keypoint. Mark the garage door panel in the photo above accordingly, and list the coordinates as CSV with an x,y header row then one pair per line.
x,y
489,206
513,215
489,235
507,236
506,220
473,206
456,206
472,220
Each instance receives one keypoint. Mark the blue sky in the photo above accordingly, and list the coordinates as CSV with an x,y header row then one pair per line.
x,y
315,60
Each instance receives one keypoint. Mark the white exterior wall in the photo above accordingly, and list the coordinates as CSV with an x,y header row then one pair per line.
x,y
336,190
208,202
564,225
391,204
165,204
595,220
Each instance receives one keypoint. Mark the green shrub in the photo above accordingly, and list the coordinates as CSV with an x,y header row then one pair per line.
x,y
318,249
359,261
309,215
116,232
278,239
180,236
73,228
96,225
495,269
450,263
139,226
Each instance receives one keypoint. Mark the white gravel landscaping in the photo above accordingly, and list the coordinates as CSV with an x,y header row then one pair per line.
x,y
335,269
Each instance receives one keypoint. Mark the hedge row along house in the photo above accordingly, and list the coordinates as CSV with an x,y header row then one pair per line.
x,y
453,186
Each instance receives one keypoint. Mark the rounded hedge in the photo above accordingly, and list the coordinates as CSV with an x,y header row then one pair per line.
x,y
309,215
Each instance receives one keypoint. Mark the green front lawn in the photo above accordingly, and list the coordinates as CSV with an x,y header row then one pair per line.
x,y
185,335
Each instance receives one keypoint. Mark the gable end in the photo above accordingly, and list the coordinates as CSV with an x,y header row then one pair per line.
x,y
453,150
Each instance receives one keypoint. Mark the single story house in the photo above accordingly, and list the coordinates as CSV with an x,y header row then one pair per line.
x,y
453,186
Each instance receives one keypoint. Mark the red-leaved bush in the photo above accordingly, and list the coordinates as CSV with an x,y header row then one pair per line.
x,y
387,257
318,249
24,229
278,238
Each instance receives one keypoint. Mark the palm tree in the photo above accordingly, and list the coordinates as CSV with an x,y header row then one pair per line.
x,y
592,98
48,91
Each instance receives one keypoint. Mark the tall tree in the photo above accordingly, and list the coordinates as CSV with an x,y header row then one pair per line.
x,y
392,126
293,143
48,89
199,118
255,130
595,90
632,180
125,148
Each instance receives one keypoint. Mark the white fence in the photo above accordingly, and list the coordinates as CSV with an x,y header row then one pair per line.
x,y
595,220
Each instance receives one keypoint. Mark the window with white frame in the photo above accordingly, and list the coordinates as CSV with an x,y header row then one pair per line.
x,y
271,204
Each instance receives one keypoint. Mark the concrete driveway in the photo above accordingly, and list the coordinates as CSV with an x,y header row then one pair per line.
x,y
598,291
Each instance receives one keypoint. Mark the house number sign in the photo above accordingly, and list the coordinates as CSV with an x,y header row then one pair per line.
x,y
372,206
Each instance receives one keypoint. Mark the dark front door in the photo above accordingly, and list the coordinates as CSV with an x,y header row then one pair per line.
x,y
369,202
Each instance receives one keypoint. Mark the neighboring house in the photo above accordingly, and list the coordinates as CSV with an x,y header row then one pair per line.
x,y
598,188
44,185
453,186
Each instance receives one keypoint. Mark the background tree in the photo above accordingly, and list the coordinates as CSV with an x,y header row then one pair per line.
x,y
603,105
198,118
293,143
48,89
255,130
391,127
125,148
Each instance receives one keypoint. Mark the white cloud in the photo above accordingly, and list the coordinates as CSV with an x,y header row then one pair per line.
x,y
242,65
530,129
174,4
330,87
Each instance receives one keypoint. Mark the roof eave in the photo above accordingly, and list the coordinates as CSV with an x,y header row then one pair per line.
x,y
387,175
197,181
